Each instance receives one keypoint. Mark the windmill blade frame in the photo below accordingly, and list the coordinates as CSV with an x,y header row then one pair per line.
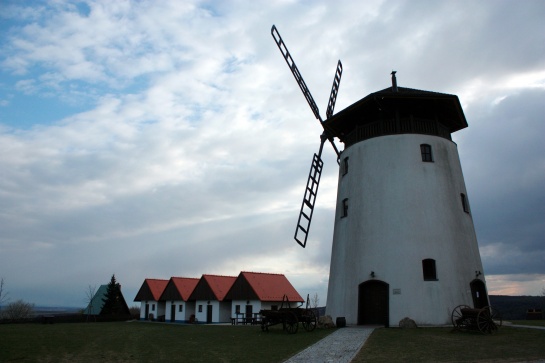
x,y
313,181
334,90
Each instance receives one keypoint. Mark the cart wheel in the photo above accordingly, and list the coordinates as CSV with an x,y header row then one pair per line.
x,y
495,315
485,324
456,316
291,323
309,320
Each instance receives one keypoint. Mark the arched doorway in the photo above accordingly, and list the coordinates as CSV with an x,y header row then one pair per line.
x,y
479,294
373,303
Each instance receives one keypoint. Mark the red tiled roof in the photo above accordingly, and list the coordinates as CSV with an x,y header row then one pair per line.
x,y
185,285
220,285
271,287
212,287
151,289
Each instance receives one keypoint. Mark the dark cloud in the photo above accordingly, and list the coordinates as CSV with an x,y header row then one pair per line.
x,y
503,156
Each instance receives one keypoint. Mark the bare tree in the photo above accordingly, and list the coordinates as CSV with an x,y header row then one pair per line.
x,y
314,303
19,310
89,295
3,295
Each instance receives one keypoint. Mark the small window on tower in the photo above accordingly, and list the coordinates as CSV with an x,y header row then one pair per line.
x,y
465,204
425,150
345,166
345,208
428,269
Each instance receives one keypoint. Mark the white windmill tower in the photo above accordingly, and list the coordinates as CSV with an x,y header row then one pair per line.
x,y
404,243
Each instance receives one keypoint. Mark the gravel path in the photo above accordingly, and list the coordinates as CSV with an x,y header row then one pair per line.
x,y
339,347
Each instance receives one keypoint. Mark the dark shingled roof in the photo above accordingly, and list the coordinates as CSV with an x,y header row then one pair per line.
x,y
384,104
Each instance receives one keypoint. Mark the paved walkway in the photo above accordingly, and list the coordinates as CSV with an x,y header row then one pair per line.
x,y
338,347
343,345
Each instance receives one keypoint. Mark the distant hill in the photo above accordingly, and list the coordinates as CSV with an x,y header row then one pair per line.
x,y
515,307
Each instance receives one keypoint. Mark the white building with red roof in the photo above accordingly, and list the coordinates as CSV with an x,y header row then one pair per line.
x,y
209,296
176,296
254,291
214,298
149,296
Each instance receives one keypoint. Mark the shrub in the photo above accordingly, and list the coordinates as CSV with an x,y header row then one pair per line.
x,y
18,310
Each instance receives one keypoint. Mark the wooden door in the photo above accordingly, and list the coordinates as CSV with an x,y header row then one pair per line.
x,y
173,312
208,314
249,311
478,292
373,303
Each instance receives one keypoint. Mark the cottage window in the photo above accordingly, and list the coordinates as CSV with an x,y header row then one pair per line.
x,y
237,309
180,308
465,204
425,150
428,269
152,307
345,208
200,308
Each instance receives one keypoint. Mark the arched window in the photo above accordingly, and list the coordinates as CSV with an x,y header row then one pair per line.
x,y
425,150
428,269
465,204
345,166
345,208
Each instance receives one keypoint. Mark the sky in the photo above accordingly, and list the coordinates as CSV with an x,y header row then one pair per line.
x,y
150,139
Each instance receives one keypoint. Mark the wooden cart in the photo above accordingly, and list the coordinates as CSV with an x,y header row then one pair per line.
x,y
289,317
486,320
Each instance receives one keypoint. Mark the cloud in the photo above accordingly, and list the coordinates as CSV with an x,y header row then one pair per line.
x,y
192,144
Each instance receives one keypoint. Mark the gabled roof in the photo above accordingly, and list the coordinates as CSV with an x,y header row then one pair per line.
x,y
263,286
212,287
151,290
96,303
179,288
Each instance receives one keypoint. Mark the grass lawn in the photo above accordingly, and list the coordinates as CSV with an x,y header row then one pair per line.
x,y
158,342
446,345
149,342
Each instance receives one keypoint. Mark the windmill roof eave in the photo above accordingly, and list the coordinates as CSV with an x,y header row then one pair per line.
x,y
446,106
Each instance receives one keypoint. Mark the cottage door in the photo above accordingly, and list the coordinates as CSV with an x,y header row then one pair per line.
x,y
249,311
373,303
146,315
208,314
173,312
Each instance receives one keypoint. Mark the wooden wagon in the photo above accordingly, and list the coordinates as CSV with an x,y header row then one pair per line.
x,y
289,317
486,320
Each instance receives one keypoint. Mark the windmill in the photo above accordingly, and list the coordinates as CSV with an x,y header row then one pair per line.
x,y
407,245
313,181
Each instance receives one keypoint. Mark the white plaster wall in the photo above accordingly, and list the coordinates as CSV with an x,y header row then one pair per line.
x,y
160,308
158,311
178,316
216,314
402,210
143,310
256,307
224,312
189,309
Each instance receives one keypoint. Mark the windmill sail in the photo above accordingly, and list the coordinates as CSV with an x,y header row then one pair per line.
x,y
309,199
